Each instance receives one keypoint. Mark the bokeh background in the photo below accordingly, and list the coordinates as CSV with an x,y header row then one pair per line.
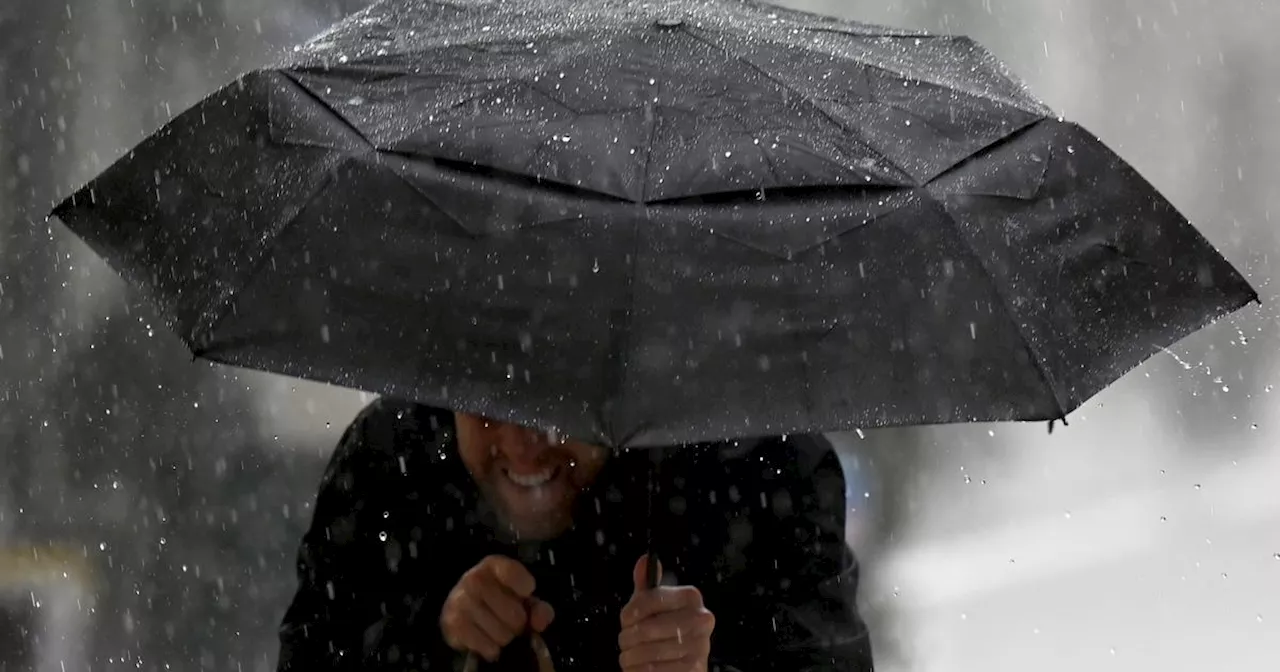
x,y
150,506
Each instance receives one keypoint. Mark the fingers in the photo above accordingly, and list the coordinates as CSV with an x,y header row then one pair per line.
x,y
463,631
656,656
541,615
504,606
678,627
682,665
660,600
491,606
511,574
640,574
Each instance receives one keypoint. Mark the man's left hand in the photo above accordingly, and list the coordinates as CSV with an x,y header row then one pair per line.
x,y
664,629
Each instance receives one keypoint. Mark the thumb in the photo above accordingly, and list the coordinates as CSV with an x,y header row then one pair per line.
x,y
640,575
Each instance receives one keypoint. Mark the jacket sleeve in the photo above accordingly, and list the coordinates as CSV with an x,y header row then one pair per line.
x,y
347,615
796,601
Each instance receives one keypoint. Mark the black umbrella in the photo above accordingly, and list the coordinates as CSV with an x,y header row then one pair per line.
x,y
655,223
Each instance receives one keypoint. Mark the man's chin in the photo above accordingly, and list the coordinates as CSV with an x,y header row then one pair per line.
x,y
543,528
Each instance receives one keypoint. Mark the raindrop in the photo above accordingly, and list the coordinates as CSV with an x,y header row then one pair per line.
x,y
595,265
1197,486
382,536
1164,519
1066,514
356,101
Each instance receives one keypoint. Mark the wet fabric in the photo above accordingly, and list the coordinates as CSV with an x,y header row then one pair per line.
x,y
654,223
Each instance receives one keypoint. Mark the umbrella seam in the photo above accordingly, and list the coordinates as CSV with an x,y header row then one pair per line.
x,y
803,97
1036,359
988,56
216,312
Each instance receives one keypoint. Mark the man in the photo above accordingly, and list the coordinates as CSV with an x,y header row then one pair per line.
x,y
438,536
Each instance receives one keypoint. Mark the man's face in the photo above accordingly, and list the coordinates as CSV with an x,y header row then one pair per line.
x,y
532,479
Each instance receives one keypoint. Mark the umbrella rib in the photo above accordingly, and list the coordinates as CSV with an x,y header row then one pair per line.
x,y
796,92
1036,106
216,312
1036,360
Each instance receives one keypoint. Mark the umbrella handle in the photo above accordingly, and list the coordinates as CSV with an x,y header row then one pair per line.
x,y
651,558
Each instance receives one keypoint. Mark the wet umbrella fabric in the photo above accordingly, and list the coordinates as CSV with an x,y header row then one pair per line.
x,y
655,223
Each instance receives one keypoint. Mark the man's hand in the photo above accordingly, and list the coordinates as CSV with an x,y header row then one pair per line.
x,y
491,605
664,629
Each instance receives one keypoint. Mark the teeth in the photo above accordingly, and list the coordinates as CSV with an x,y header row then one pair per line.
x,y
532,480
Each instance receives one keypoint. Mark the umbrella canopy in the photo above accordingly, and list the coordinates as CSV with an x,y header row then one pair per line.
x,y
655,223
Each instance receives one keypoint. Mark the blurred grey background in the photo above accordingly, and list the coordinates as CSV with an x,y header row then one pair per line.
x,y
150,506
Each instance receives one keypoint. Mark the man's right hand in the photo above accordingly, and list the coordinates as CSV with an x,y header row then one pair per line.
x,y
491,605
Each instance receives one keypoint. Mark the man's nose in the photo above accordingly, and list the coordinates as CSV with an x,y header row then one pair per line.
x,y
525,445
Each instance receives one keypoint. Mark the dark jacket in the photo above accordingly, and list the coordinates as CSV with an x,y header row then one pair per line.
x,y
758,529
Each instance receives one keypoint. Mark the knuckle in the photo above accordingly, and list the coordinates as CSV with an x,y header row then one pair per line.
x,y
707,619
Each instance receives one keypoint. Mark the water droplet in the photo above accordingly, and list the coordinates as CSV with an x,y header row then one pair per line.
x,y
357,100
1164,519
1197,486
382,536
1066,514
